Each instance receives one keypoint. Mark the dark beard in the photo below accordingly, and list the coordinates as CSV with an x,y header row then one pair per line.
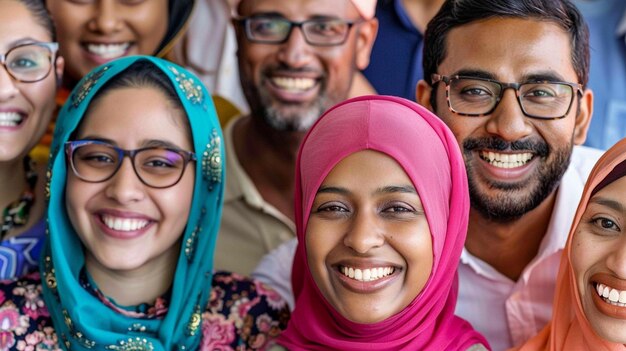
x,y
503,207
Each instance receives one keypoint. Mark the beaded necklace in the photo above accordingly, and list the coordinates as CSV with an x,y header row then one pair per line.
x,y
16,213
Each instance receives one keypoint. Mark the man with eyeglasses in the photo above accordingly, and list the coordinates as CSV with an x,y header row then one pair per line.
x,y
296,59
509,78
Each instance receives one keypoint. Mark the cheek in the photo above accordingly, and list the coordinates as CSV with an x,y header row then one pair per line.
x,y
321,238
77,194
151,29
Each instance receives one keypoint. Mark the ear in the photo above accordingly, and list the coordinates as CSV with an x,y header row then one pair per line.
x,y
364,42
59,65
422,94
583,120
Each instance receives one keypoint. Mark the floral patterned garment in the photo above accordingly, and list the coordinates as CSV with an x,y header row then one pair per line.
x,y
242,314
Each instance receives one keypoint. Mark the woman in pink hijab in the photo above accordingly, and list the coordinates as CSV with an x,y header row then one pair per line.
x,y
381,214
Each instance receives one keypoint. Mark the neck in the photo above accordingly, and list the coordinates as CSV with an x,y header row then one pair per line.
x,y
509,247
13,180
421,11
141,285
268,156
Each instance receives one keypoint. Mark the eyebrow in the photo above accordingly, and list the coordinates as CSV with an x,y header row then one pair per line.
x,y
406,189
144,143
527,78
612,204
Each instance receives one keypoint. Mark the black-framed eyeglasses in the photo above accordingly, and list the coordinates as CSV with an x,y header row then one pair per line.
x,y
29,63
95,161
476,97
277,30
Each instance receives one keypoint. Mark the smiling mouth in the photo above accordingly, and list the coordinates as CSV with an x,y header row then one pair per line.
x,y
368,274
123,224
10,119
294,85
107,51
610,295
506,160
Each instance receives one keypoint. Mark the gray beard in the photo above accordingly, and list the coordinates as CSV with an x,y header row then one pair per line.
x,y
297,121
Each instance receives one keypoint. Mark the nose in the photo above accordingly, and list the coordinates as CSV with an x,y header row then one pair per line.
x,y
616,261
106,17
364,233
8,85
295,52
125,186
508,121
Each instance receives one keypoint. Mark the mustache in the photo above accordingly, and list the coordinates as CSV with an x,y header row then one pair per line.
x,y
538,147
283,68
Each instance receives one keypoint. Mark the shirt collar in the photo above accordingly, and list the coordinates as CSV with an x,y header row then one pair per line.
x,y
621,27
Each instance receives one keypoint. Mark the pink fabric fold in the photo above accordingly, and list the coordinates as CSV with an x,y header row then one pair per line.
x,y
430,155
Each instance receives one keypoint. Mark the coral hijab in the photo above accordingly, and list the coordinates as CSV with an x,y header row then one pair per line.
x,y
569,329
429,154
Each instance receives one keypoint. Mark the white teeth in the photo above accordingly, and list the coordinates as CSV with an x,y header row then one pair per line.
x,y
611,296
506,160
10,119
294,84
124,224
368,274
108,51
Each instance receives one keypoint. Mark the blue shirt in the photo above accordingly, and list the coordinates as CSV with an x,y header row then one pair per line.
x,y
396,60
607,78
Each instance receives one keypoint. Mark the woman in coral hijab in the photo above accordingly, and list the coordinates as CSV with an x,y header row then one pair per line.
x,y
590,300
381,207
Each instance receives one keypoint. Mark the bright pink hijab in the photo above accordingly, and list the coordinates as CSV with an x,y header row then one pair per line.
x,y
430,156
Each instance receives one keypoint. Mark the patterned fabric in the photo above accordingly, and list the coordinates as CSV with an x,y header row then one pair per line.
x,y
242,314
20,254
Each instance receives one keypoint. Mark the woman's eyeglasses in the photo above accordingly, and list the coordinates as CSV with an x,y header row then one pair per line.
x,y
157,167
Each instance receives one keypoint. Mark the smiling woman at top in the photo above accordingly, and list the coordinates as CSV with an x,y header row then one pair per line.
x,y
135,200
381,214
590,298
93,32
28,81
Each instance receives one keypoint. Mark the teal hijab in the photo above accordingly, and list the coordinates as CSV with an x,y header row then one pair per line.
x,y
83,322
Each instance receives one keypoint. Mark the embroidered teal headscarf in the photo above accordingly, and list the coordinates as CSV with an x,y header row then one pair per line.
x,y
81,321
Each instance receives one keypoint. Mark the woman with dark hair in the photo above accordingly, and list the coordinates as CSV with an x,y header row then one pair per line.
x,y
29,78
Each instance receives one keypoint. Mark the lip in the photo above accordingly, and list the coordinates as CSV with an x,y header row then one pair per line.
x,y
604,307
292,96
118,234
362,287
98,60
509,175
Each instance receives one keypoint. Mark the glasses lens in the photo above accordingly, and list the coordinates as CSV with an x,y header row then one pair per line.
x,y
159,167
326,32
546,100
94,162
270,30
473,96
29,63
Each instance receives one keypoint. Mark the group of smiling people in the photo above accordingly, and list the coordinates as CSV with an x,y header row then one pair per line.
x,y
110,243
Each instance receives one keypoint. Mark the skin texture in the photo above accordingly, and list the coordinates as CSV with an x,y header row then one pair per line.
x,y
599,256
140,23
148,258
34,101
357,220
507,204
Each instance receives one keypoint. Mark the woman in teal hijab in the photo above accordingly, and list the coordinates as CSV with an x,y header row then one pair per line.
x,y
136,183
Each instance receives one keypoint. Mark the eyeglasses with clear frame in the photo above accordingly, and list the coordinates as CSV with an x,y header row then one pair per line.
x,y
477,97
95,161
29,63
277,30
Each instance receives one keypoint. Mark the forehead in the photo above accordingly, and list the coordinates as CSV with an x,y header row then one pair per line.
x,y
510,49
300,9
16,22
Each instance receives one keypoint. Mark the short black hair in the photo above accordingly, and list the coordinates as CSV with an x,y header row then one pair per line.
x,y
454,13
